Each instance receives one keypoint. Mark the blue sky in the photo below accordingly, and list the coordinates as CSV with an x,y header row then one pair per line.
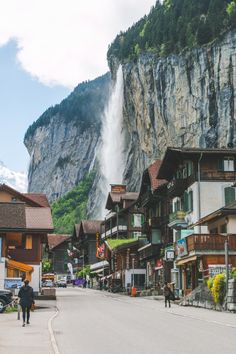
x,y
46,49
23,100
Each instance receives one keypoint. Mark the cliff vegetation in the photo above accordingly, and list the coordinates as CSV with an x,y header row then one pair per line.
x,y
174,25
71,208
84,105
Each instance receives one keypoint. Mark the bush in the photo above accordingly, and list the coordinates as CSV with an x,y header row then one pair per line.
x,y
217,286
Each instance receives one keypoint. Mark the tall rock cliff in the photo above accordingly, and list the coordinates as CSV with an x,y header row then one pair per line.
x,y
180,100
63,142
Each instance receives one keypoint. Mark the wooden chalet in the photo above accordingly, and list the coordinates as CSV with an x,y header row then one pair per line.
x,y
58,246
200,181
155,204
84,240
25,221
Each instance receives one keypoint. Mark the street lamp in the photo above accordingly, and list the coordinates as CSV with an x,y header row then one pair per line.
x,y
132,255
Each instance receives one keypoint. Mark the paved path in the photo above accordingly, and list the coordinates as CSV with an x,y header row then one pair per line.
x,y
32,339
95,322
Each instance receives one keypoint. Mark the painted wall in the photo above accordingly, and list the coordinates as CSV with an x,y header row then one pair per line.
x,y
36,277
129,272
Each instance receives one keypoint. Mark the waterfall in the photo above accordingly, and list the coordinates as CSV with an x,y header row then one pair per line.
x,y
111,157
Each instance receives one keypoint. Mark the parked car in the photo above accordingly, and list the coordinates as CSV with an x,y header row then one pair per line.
x,y
48,284
5,299
61,283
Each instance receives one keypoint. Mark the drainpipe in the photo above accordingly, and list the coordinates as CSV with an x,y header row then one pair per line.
x,y
199,191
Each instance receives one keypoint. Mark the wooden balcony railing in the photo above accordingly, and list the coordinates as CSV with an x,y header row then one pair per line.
x,y
204,242
218,175
176,187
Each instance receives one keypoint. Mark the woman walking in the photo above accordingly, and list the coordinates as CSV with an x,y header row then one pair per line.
x,y
26,295
167,293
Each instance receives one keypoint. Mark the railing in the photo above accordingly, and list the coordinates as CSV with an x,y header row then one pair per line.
x,y
176,187
212,242
121,228
178,216
218,175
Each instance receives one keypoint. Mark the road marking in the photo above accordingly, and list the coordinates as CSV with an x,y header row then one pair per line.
x,y
52,337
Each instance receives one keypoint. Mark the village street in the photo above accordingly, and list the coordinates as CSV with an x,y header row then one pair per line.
x,y
91,321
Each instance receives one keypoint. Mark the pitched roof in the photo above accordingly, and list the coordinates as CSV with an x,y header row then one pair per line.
x,y
23,197
153,170
88,227
115,198
55,240
217,214
38,198
12,216
38,218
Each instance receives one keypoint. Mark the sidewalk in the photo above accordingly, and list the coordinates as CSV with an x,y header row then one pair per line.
x,y
34,338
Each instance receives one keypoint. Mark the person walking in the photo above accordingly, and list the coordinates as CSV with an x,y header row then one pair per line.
x,y
26,295
167,293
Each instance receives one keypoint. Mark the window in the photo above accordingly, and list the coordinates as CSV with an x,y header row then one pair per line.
x,y
229,195
13,199
226,164
156,236
27,242
223,228
137,220
188,201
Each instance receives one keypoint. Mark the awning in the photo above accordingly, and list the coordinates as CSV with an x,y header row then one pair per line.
x,y
97,271
102,264
186,260
20,266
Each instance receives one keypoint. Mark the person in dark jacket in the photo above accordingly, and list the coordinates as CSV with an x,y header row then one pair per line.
x,y
26,295
167,293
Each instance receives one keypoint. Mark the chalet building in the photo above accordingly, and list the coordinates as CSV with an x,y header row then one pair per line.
x,y
152,199
199,182
84,240
58,246
203,255
25,221
123,220
122,235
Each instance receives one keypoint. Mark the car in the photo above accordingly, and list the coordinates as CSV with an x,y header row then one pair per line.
x,y
61,283
5,299
48,284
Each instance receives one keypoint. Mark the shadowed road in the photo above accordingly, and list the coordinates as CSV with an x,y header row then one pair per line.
x,y
97,322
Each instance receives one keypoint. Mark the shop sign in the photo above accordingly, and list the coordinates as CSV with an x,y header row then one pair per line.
x,y
169,255
12,283
181,247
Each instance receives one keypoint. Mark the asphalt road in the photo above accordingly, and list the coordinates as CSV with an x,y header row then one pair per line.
x,y
97,322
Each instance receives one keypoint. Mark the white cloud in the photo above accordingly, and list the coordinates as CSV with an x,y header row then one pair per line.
x,y
65,41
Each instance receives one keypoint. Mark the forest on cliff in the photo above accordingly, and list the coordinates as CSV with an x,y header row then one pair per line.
x,y
173,26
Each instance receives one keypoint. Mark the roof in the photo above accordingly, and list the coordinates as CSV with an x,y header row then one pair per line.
x,y
12,216
23,197
88,227
153,170
18,265
115,244
39,198
55,240
116,198
38,218
226,210
174,155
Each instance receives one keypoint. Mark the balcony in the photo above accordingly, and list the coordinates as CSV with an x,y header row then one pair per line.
x,y
208,175
209,242
177,220
149,251
176,187
111,232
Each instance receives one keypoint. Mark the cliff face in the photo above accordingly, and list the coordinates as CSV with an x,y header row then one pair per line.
x,y
62,144
184,100
181,100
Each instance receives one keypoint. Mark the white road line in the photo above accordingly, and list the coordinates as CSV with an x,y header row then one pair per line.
x,y
52,337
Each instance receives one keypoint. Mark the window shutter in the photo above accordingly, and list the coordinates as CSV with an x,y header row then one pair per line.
x,y
132,220
221,165
142,219
186,206
28,242
190,201
229,195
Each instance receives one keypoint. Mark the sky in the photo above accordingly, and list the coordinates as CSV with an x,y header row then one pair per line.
x,y
47,47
